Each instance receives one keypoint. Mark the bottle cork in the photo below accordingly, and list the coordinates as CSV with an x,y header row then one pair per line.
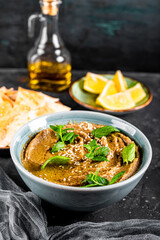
x,y
50,7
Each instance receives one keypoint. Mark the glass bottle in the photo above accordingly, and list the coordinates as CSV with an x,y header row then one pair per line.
x,y
49,62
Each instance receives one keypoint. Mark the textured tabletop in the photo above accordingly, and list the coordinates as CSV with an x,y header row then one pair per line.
x,y
144,201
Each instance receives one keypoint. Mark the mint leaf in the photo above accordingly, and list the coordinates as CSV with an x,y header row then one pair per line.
x,y
54,127
101,181
66,129
104,131
62,135
58,160
68,136
89,155
102,151
128,153
58,146
94,180
116,177
100,159
92,146
96,155
88,179
72,138
88,147
58,130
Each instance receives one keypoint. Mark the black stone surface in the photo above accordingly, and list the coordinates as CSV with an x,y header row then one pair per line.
x,y
100,34
144,201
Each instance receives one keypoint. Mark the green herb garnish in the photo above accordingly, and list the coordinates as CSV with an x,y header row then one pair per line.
x,y
58,130
102,151
128,153
104,131
92,146
58,146
61,160
63,136
95,181
96,155
70,136
116,177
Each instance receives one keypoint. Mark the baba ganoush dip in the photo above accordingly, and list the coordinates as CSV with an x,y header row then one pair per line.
x,y
81,154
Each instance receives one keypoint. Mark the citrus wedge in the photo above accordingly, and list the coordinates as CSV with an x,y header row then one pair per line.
x,y
118,101
119,81
137,92
109,89
94,83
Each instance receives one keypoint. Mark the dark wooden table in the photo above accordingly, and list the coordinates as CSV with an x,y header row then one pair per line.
x,y
144,201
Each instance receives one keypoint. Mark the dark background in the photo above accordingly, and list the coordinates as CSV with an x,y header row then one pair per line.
x,y
100,34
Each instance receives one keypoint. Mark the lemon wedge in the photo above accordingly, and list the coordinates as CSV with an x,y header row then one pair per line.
x,y
119,81
137,92
94,83
109,89
118,101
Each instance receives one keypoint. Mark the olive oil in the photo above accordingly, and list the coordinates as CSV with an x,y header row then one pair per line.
x,y
49,62
50,76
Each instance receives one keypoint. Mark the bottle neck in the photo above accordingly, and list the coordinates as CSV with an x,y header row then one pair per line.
x,y
49,29
50,25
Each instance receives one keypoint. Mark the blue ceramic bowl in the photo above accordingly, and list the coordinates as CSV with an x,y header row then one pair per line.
x,y
75,198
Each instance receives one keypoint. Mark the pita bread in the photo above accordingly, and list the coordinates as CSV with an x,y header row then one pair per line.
x,y
32,98
9,125
6,104
19,107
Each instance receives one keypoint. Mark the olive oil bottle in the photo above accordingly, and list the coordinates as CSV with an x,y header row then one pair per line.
x,y
49,62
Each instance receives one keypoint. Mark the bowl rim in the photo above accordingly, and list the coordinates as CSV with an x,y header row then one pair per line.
x,y
21,168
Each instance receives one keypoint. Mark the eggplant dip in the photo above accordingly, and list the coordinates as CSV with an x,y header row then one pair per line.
x,y
81,154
